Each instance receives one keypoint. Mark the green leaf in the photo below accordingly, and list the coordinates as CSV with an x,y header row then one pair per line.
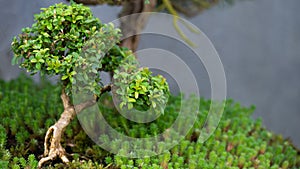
x,y
64,77
136,95
49,26
73,73
33,60
122,105
14,60
79,17
38,66
130,106
153,104
89,21
46,34
131,100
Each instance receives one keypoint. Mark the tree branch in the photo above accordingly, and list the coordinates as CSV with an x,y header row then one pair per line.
x,y
79,107
106,88
65,98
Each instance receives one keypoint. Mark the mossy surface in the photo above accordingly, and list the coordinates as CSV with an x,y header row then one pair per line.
x,y
28,109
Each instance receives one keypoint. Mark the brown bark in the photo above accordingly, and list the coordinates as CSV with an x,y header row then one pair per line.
x,y
55,132
132,25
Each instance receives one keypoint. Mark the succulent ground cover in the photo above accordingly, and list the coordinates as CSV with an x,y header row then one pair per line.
x,y
67,40
28,109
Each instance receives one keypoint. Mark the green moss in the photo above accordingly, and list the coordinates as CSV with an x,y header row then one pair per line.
x,y
27,110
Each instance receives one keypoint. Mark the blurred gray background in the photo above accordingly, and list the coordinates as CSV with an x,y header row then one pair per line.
x,y
258,42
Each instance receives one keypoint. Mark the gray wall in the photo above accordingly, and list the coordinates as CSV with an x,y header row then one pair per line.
x,y
258,42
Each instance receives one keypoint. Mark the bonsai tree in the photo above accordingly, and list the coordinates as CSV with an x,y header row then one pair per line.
x,y
70,42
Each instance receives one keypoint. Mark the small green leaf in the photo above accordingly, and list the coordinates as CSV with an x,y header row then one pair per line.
x,y
122,104
89,20
79,17
64,77
14,60
46,34
136,95
38,66
73,73
153,104
33,60
130,106
49,26
131,100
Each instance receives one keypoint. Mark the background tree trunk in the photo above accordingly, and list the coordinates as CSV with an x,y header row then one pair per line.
x,y
132,25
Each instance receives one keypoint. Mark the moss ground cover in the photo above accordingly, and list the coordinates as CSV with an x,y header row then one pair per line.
x,y
28,109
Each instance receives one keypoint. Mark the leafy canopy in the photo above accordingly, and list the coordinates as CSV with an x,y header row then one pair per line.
x,y
139,89
53,43
67,40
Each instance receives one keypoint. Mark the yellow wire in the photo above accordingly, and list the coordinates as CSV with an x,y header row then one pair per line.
x,y
172,11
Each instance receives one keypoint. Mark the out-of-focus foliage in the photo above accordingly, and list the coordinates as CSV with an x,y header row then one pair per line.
x,y
112,60
27,110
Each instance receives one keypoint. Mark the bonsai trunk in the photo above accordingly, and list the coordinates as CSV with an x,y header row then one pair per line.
x,y
52,144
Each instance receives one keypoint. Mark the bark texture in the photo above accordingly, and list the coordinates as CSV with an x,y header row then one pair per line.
x,y
132,25
52,144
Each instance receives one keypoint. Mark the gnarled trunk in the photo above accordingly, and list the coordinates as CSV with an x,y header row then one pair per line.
x,y
55,132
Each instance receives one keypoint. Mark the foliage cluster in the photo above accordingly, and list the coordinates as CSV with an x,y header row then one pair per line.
x,y
68,40
137,88
64,40
53,43
27,110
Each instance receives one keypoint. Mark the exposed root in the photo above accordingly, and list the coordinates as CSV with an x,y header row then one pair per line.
x,y
52,145
54,133
55,150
